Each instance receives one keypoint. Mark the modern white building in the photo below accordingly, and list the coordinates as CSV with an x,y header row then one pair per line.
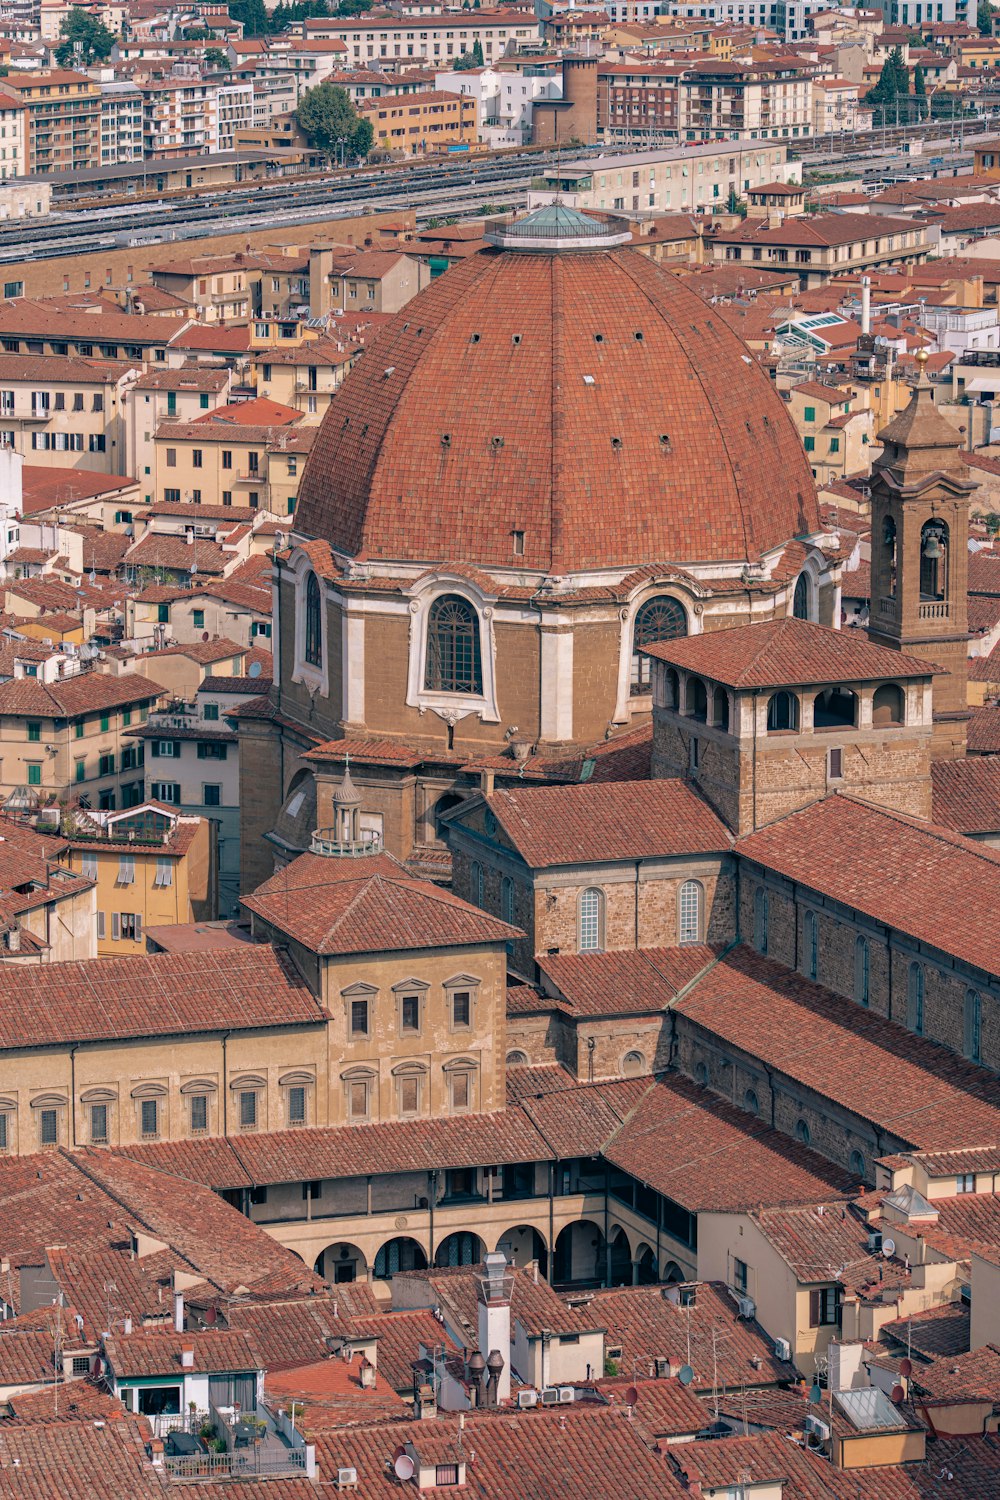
x,y
505,99
121,122
789,18
234,112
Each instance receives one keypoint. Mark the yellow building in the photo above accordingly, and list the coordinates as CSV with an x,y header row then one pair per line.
x,y
232,463
68,738
305,376
835,426
159,864
414,124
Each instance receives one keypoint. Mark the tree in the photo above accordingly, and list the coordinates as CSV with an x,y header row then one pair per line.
x,y
893,84
331,124
252,15
920,91
984,18
91,36
216,58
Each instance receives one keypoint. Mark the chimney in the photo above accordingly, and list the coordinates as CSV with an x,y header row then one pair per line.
x,y
187,1356
127,1325
495,1288
156,1451
178,1312
866,304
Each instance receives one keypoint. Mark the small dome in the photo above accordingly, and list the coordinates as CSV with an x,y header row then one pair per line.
x,y
555,229
346,794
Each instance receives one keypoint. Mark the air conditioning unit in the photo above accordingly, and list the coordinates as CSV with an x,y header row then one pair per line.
x,y
527,1398
747,1307
817,1428
550,1396
566,1395
783,1350
347,1479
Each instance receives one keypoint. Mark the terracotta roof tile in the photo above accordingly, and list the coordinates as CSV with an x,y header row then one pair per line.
x,y
623,982
787,652
967,792
914,876
609,821
350,905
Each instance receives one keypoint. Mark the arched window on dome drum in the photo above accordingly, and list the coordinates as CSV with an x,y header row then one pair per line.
x,y
659,619
454,659
314,623
803,598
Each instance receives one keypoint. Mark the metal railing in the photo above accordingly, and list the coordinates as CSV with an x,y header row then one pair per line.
x,y
243,1463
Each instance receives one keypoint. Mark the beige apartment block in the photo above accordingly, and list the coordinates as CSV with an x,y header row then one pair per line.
x,y
166,396
369,280
63,118
65,410
67,738
221,463
303,377
836,428
818,246
219,286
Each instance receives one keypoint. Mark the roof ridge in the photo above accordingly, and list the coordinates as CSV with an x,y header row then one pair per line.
x,y
936,831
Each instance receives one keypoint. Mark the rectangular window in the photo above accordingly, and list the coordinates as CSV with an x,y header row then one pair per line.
x,y
460,1090
357,1100
166,791
740,1274
810,443
809,414
126,869
78,729
81,1364
100,927
312,1190
297,1106
212,750
835,763
461,1008
199,1114
48,1127
409,1096
196,458
212,794
210,711
198,619
171,458
99,1124
4,1132
164,871
34,732
966,1183
106,765
227,458
359,1018
88,866
105,723
835,445
410,1013
35,775
129,926
149,1117
163,614
248,1110
823,1307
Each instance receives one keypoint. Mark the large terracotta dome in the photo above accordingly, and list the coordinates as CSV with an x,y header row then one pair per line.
x,y
557,402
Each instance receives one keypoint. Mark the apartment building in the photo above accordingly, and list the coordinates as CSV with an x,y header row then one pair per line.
x,y
218,286
13,141
726,99
837,106
180,116
47,908
121,122
65,410
414,124
638,99
164,395
821,245
379,280
234,112
789,18
437,38
62,114
100,331
193,766
255,466
505,98
836,428
68,738
304,378
157,862
671,180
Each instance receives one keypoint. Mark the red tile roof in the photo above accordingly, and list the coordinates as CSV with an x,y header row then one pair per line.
x,y
504,327
147,1353
238,988
913,876
911,1088
350,905
85,693
984,731
707,1155
967,793
608,821
787,652
619,983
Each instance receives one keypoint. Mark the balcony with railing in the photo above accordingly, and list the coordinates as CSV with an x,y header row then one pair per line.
x,y
258,1445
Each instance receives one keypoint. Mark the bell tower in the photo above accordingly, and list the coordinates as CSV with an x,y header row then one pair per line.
x,y
920,555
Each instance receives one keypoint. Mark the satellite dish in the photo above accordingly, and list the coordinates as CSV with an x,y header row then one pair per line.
x,y
906,1368
897,1394
205,636
254,670
685,1374
888,1248
631,1396
816,1394
403,1468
